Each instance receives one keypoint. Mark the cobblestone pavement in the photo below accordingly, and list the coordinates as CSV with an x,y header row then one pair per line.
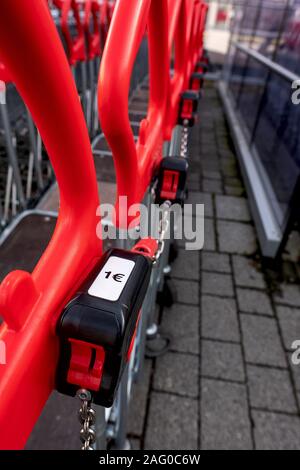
x,y
228,381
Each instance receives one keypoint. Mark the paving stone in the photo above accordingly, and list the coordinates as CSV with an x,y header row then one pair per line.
x,y
214,175
209,156
196,197
271,389
296,373
289,271
233,182
222,361
212,186
236,237
289,320
216,262
209,235
276,431
181,322
186,266
177,373
246,273
229,168
57,428
254,301
234,191
289,295
138,402
292,248
219,318
193,232
135,443
172,423
193,177
194,185
235,208
195,225
187,292
209,165
217,284
224,411
261,341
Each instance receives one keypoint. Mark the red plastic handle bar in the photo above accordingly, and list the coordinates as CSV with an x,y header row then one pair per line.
x,y
186,28
91,11
177,13
103,20
111,4
76,46
94,37
202,22
197,30
31,303
134,163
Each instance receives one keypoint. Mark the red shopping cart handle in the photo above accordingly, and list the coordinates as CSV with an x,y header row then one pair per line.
x,y
31,303
92,12
75,45
177,18
134,162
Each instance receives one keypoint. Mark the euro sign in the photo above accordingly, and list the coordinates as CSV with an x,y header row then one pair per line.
x,y
118,277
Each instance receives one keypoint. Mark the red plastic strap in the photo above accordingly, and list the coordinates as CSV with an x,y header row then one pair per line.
x,y
196,84
147,247
187,109
170,184
86,365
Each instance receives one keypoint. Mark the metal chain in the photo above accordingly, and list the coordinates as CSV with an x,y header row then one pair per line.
x,y
87,418
164,222
184,142
163,230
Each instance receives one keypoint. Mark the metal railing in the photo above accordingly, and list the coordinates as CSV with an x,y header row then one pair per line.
x,y
270,64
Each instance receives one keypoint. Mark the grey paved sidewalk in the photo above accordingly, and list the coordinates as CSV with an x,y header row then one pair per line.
x,y
228,381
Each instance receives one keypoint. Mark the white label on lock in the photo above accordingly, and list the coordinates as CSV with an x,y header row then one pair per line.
x,y
111,280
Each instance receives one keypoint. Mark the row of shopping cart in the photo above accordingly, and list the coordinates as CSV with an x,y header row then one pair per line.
x,y
84,317
26,171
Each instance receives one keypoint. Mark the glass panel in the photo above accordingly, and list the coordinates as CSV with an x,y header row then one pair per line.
x,y
237,72
254,80
288,52
248,22
277,140
268,26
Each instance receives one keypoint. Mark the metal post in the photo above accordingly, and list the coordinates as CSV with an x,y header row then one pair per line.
x,y
12,156
33,143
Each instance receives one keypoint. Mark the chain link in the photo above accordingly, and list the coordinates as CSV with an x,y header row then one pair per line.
x,y
165,221
87,418
184,142
163,230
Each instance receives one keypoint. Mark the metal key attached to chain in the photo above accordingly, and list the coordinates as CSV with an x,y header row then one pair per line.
x,y
87,418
